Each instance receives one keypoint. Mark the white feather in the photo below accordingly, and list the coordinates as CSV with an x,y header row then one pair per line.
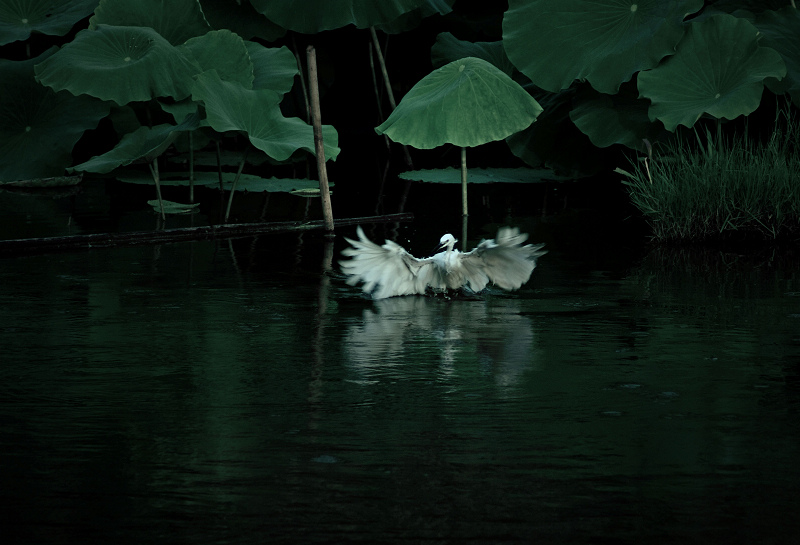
x,y
389,270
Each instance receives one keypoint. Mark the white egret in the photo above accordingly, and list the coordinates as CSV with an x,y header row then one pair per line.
x,y
390,270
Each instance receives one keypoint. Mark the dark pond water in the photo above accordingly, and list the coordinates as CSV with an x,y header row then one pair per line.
x,y
228,393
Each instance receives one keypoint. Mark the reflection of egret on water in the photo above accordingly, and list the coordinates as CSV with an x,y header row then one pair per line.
x,y
390,270
402,337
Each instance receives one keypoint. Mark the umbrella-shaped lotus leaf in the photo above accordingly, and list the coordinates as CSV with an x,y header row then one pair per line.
x,y
18,18
467,102
275,68
718,69
223,51
144,144
123,64
231,107
555,42
176,20
39,127
779,30
311,16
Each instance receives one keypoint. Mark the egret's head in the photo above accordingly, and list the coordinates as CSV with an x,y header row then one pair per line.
x,y
447,241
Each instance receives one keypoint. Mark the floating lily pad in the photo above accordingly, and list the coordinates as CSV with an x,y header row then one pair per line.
x,y
485,176
144,144
555,42
174,208
231,107
312,16
123,64
718,69
46,183
467,102
246,182
39,127
18,18
175,20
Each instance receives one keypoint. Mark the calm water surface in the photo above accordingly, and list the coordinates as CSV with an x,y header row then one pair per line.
x,y
224,393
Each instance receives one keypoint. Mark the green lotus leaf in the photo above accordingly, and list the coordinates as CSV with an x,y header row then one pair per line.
x,y
246,182
18,18
615,119
312,16
275,68
231,107
555,141
175,20
467,102
484,176
605,42
223,51
39,127
172,207
718,69
780,31
449,48
123,64
143,144
412,19
241,18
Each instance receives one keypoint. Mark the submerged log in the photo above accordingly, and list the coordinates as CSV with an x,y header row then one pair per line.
x,y
184,234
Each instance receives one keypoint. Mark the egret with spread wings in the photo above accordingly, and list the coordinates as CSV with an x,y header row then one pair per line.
x,y
390,270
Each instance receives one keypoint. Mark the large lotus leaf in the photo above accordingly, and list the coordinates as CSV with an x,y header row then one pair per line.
x,y
449,48
275,68
240,17
39,127
312,16
468,102
18,18
123,64
614,119
143,144
485,176
412,19
718,69
231,107
555,42
780,31
175,20
753,6
555,141
223,51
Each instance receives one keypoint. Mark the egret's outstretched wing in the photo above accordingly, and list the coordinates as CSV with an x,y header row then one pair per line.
x,y
504,261
387,270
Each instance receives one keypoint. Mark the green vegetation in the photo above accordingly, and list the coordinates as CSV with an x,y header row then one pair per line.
x,y
718,186
103,87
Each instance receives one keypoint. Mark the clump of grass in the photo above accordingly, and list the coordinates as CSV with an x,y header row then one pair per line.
x,y
722,188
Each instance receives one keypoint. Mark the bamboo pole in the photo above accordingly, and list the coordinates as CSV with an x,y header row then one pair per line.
x,y
319,146
388,86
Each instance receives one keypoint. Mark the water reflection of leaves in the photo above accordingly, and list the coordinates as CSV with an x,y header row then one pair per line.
x,y
403,336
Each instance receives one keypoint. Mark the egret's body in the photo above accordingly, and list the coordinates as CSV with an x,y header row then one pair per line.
x,y
390,270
